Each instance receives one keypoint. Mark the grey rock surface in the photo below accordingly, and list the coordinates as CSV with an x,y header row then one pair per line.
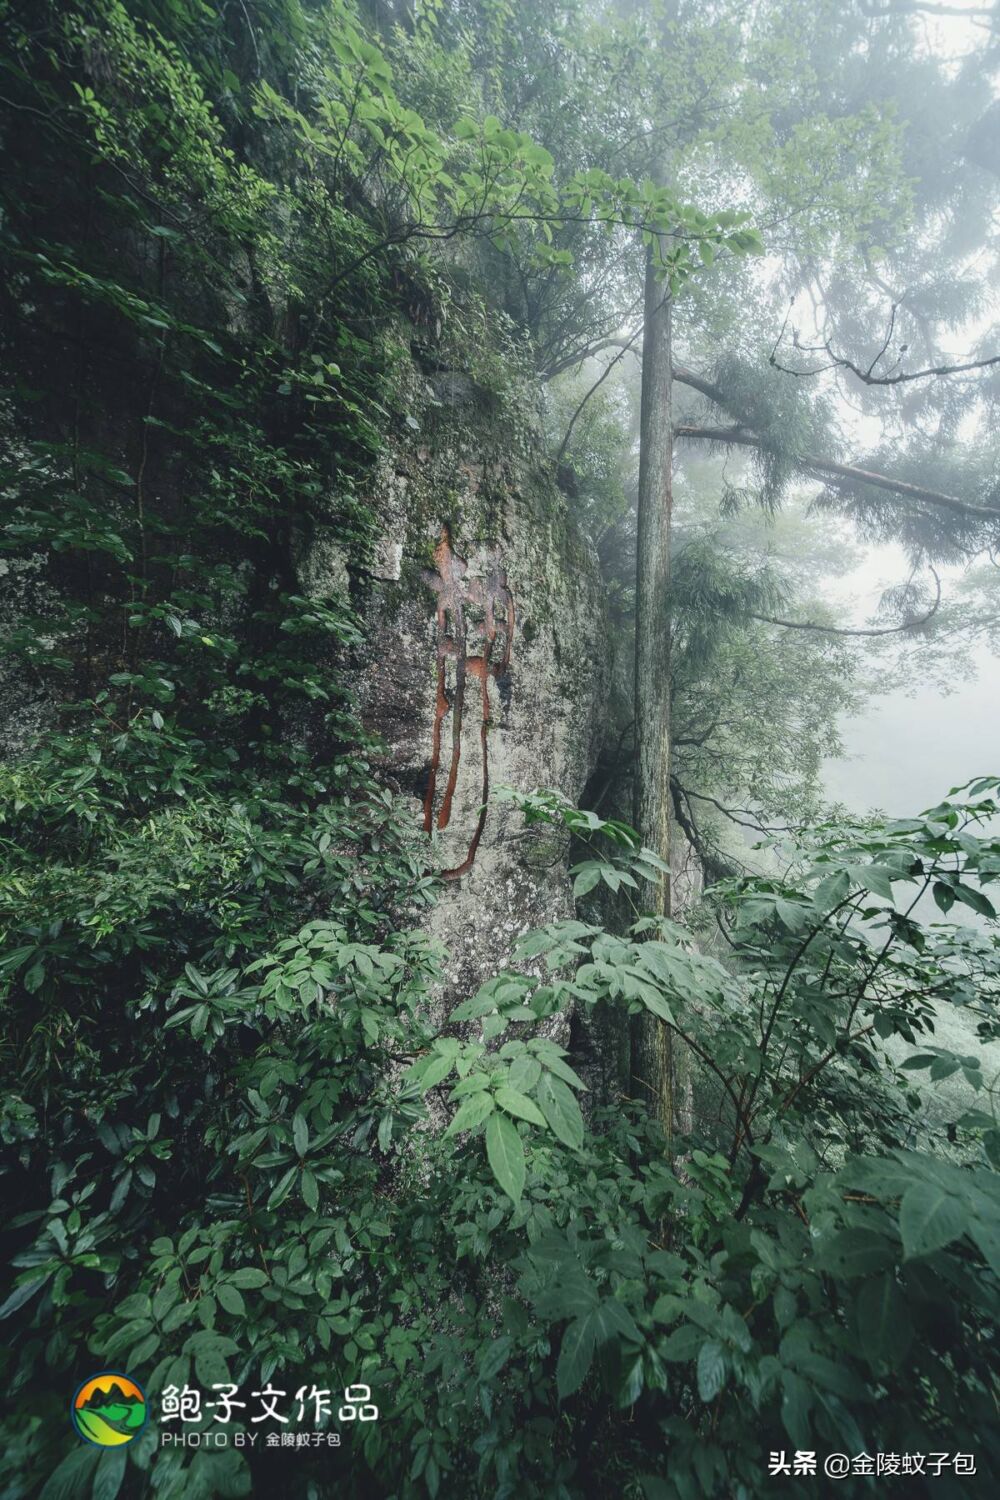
x,y
485,665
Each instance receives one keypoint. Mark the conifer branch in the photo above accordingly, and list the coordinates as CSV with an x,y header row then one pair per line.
x,y
829,469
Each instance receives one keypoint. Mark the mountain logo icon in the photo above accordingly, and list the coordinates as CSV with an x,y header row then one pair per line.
x,y
109,1409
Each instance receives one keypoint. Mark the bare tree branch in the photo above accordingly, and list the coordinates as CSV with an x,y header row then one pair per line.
x,y
924,7
597,384
837,630
827,468
757,824
841,362
714,864
577,357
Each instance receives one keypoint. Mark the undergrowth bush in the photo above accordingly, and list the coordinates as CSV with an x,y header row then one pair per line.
x,y
238,1187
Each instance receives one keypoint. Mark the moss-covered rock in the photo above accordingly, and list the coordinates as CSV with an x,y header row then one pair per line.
x,y
486,650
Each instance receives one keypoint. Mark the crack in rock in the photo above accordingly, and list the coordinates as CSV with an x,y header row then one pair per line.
x,y
475,631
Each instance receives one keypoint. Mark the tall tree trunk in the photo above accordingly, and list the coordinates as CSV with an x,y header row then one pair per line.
x,y
651,1050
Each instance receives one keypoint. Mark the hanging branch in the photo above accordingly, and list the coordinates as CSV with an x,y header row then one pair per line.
x,y
841,362
746,817
827,468
714,864
597,383
837,630
926,8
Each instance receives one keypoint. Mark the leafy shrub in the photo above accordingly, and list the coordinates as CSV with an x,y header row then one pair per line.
x,y
540,1303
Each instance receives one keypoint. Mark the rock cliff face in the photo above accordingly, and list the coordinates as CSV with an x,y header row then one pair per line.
x,y
486,661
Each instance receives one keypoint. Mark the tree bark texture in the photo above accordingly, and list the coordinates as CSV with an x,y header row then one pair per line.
x,y
651,1050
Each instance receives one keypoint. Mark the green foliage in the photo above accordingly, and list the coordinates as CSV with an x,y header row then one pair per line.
x,y
592,432
640,91
201,795
756,708
813,1255
474,173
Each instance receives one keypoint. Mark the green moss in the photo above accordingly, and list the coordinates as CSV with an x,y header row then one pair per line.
x,y
412,587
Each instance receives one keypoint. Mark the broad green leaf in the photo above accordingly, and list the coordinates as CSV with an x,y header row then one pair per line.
x,y
248,1278
505,1153
929,1219
796,1401
518,1104
883,1322
110,1473
230,1298
471,1112
792,915
437,1069
853,1252
525,1072
711,1370
69,1480
20,1295
973,898
570,1295
310,1190
210,1351
833,889
876,878
165,1298
987,1238
586,880
785,1306
631,1387
561,1110
555,1064
828,1373
471,1085
575,1355
943,895
496,1356
613,1317
282,1188
683,1344
136,1306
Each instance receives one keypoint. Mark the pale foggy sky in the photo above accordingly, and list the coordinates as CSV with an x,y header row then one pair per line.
x,y
907,749
904,753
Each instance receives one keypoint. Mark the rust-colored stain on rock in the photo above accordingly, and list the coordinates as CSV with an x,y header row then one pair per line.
x,y
475,631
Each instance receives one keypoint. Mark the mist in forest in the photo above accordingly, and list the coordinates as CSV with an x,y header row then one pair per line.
x,y
905,751
913,741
